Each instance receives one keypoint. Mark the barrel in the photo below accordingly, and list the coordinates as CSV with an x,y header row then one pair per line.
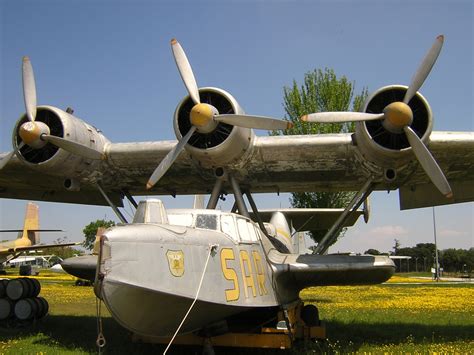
x,y
43,307
26,308
6,308
19,288
35,287
3,286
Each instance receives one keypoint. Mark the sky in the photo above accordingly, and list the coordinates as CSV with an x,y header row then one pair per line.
x,y
111,61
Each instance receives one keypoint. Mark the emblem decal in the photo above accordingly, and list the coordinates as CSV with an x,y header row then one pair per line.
x,y
176,262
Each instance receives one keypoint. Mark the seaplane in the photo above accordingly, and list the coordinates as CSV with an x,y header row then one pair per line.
x,y
207,273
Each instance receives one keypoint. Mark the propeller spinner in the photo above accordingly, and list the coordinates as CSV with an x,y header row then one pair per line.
x,y
204,118
397,118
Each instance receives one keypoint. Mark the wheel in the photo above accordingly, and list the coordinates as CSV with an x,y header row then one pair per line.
x,y
310,315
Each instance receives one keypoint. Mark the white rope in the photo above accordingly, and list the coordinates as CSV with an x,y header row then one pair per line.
x,y
211,248
100,342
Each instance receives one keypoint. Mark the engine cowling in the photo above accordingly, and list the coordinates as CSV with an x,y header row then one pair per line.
x,y
388,150
226,145
52,159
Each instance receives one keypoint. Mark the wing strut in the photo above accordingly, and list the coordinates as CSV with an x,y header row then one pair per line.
x,y
355,203
216,192
255,212
129,197
239,198
112,205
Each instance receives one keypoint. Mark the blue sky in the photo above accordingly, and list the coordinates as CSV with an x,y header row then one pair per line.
x,y
111,61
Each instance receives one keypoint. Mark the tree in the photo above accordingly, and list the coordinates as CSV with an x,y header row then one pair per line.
x,y
321,91
63,252
90,231
396,246
372,252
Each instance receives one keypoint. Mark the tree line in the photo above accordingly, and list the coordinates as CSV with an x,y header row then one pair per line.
x,y
423,258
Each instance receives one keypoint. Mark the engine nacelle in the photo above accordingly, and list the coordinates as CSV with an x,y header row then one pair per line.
x,y
386,150
53,159
226,145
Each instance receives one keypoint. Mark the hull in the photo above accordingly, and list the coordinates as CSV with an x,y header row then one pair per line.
x,y
149,276
159,314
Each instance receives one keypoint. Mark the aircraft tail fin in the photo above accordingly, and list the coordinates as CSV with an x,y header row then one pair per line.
x,y
279,228
31,224
98,234
299,243
199,201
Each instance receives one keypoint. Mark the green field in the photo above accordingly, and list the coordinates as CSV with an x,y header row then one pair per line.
x,y
400,316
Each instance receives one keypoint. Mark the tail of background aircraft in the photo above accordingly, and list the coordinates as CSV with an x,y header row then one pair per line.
x,y
31,224
28,237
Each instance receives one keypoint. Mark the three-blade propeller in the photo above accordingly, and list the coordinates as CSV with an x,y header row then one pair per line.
x,y
204,118
35,133
397,117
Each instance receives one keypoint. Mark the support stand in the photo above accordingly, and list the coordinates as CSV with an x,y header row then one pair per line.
x,y
282,336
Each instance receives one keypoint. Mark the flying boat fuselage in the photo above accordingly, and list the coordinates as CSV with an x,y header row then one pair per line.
x,y
161,265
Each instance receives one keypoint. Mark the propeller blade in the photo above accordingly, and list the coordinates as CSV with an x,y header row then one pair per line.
x,y
428,163
185,71
340,117
73,147
255,122
424,69
169,159
29,89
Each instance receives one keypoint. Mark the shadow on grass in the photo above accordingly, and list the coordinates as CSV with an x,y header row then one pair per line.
x,y
78,334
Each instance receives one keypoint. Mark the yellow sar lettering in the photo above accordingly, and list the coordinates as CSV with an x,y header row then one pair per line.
x,y
247,271
260,272
247,274
230,274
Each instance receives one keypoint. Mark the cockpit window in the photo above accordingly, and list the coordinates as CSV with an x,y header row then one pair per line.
x,y
206,221
228,227
181,219
246,230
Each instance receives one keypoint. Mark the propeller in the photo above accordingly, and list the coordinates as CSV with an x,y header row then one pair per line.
x,y
397,118
29,131
36,134
204,117
73,147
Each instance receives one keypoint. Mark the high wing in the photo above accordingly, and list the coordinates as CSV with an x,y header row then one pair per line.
x,y
277,164
59,157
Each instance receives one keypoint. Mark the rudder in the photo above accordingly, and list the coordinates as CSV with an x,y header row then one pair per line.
x,y
31,223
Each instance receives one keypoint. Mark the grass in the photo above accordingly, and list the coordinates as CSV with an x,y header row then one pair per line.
x,y
397,317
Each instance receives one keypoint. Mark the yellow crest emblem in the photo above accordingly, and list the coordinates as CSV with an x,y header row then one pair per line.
x,y
176,262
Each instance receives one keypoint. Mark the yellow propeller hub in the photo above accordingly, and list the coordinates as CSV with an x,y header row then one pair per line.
x,y
201,115
398,114
29,132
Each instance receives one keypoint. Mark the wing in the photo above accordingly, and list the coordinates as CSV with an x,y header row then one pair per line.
x,y
21,249
59,157
332,162
454,151
280,163
300,271
310,219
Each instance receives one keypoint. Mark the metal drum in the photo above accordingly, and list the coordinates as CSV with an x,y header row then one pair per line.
x,y
19,288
